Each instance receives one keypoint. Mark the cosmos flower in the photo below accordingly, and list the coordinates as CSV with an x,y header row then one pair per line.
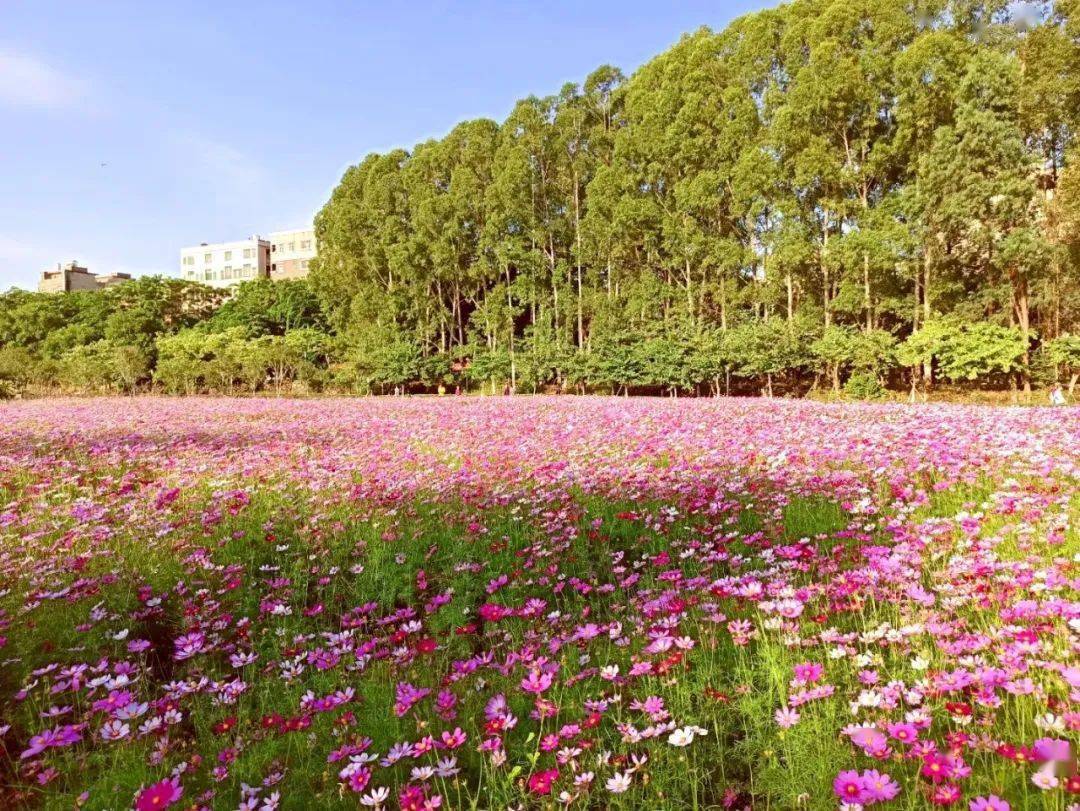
x,y
540,782
159,795
989,803
850,787
618,783
881,787
786,717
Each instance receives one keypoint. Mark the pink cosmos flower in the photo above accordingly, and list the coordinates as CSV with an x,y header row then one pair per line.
x,y
850,787
536,682
452,740
936,767
809,672
905,733
880,786
39,743
786,717
188,645
159,795
989,803
945,794
540,782
359,779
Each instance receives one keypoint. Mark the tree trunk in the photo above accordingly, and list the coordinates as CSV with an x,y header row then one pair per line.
x,y
825,269
689,291
928,366
790,302
723,304
577,239
867,300
1023,318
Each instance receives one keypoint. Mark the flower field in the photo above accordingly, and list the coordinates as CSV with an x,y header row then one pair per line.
x,y
537,602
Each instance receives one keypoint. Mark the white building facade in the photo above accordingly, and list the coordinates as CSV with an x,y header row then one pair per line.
x,y
222,264
291,253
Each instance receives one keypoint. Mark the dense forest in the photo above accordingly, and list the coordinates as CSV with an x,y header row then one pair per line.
x,y
832,195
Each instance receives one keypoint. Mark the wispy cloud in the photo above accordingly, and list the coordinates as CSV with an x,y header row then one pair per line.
x,y
26,81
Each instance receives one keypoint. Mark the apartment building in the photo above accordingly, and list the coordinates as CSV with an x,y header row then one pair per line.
x,y
291,253
222,264
73,277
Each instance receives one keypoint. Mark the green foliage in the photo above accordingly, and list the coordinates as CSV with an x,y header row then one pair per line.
x,y
766,349
965,351
262,307
1065,351
864,386
104,366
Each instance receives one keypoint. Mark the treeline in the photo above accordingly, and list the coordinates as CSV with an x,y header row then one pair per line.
x,y
799,194
180,337
834,194
171,335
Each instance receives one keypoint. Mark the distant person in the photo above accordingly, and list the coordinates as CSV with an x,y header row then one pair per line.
x,y
441,389
1057,396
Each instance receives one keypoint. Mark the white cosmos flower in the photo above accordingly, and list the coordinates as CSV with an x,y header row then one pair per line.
x,y
115,731
376,797
681,737
618,783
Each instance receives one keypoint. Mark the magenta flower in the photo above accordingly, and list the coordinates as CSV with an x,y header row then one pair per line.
x,y
39,743
880,786
536,682
540,782
988,803
905,733
809,671
850,787
189,645
159,795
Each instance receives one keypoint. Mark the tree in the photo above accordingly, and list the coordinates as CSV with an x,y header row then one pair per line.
x,y
965,351
1064,353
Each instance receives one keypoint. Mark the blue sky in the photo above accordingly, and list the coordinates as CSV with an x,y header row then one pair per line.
x,y
131,129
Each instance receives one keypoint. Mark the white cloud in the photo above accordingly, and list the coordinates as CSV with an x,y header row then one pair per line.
x,y
26,81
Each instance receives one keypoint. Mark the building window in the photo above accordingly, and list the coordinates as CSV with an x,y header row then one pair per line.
x,y
228,255
247,253
189,260
207,257
292,246
210,275
191,274
305,245
304,265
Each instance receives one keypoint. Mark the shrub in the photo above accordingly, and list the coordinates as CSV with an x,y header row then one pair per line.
x,y
864,386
